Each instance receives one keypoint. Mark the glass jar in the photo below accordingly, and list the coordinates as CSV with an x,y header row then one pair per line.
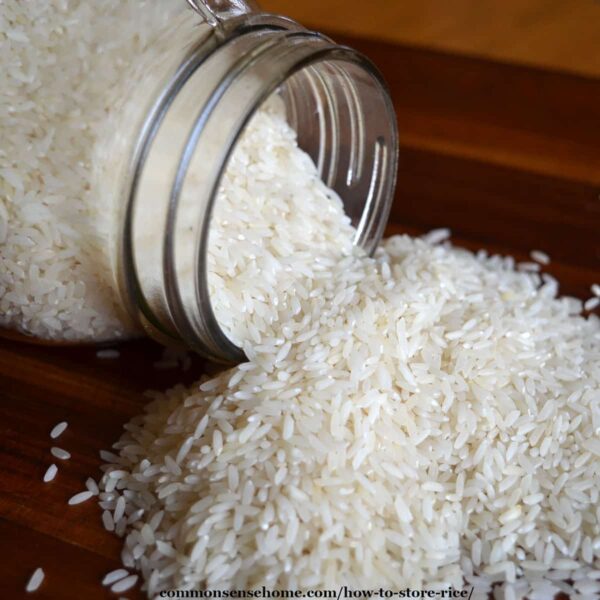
x,y
179,112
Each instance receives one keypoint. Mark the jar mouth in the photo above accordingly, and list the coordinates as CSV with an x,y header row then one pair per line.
x,y
353,141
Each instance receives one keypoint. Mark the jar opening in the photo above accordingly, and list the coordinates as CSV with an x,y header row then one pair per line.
x,y
336,102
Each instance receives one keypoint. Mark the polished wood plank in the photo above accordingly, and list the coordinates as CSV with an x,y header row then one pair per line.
x,y
519,117
552,34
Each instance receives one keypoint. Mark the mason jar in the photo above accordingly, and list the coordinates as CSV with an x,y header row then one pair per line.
x,y
174,122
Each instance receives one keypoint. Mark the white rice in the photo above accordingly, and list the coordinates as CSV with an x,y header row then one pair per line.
x,y
263,232
411,420
124,584
92,486
108,521
35,581
436,236
422,418
540,257
114,576
80,497
56,279
60,453
591,303
50,473
59,60
595,289
58,429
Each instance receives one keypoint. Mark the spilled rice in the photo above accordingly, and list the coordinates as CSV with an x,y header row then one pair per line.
x,y
420,419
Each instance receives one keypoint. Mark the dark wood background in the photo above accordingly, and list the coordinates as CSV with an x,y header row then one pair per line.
x,y
506,156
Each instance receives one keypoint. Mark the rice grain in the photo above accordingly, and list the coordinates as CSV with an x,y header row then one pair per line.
x,y
35,581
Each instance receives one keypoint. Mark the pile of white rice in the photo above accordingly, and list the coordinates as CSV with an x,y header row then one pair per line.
x,y
425,418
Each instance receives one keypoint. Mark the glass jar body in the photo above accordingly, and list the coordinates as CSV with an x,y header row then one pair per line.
x,y
56,230
172,122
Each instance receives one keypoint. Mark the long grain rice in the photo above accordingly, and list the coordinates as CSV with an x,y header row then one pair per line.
x,y
35,581
80,497
60,59
413,419
50,473
58,429
60,453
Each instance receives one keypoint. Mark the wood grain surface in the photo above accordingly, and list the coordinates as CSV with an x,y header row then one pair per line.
x,y
552,34
506,156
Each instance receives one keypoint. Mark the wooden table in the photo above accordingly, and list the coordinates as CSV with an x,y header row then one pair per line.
x,y
545,33
507,157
